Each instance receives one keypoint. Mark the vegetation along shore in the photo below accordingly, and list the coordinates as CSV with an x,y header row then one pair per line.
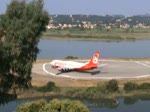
x,y
104,90
102,28
114,35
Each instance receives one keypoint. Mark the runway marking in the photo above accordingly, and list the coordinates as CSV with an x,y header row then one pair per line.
x,y
114,66
46,70
143,76
53,73
92,78
147,62
142,64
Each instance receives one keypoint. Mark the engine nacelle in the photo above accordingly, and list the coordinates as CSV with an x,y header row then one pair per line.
x,y
65,69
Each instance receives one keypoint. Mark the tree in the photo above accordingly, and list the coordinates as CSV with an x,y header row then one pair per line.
x,y
20,31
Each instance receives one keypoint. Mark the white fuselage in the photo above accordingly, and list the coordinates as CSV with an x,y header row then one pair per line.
x,y
71,65
66,64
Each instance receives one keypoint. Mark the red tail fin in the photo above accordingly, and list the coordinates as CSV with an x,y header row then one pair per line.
x,y
93,63
94,60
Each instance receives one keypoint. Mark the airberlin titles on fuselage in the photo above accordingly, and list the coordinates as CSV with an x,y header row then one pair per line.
x,y
76,66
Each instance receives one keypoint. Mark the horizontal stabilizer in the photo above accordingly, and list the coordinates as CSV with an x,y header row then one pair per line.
x,y
101,65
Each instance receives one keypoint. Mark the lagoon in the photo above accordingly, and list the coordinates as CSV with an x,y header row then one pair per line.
x,y
85,49
124,104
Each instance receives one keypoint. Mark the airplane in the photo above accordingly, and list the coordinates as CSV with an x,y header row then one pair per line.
x,y
65,66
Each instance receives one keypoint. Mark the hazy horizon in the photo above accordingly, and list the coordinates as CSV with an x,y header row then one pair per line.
x,y
92,7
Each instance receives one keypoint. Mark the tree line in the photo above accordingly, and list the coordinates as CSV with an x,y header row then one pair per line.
x,y
95,19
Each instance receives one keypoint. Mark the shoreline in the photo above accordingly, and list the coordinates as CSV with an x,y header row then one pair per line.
x,y
39,80
96,36
122,59
59,38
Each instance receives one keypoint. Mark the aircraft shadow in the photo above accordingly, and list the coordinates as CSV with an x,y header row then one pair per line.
x,y
85,72
90,72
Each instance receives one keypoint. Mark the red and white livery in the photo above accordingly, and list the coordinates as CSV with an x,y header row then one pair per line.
x,y
76,66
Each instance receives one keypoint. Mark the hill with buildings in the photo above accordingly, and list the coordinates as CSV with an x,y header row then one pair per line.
x,y
98,22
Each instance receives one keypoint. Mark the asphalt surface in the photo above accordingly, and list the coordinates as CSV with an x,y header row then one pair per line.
x,y
114,69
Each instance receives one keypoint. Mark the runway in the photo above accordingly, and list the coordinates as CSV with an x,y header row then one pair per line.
x,y
115,69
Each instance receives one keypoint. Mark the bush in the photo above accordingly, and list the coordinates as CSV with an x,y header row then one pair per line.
x,y
75,92
73,106
112,85
35,106
130,86
102,88
50,86
144,86
54,106
71,57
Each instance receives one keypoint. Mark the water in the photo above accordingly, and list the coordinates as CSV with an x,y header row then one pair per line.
x,y
85,49
82,49
125,105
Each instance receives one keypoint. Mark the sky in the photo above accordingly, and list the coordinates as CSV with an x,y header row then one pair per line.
x,y
92,7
